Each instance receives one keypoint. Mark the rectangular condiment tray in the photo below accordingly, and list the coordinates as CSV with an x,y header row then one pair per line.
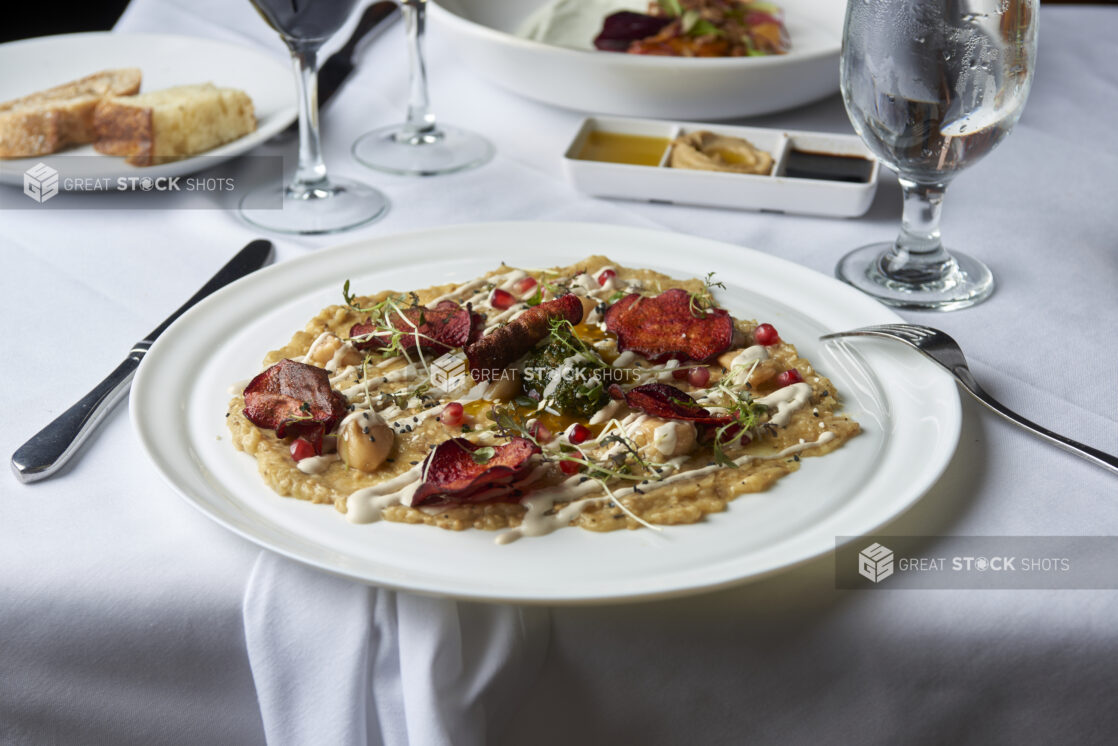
x,y
776,191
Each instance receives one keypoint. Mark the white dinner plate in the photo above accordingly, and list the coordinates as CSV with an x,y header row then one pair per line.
x,y
164,60
908,407
483,33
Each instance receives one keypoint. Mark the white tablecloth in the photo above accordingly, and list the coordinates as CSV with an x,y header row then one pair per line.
x,y
123,611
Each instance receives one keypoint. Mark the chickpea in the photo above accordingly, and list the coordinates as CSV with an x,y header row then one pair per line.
x,y
727,358
365,442
667,438
505,386
763,373
324,352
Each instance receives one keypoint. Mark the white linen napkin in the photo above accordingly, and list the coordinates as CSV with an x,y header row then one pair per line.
x,y
339,662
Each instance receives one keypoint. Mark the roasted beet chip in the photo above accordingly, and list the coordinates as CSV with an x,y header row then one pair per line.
x,y
620,29
668,326
668,403
294,399
459,471
493,352
438,329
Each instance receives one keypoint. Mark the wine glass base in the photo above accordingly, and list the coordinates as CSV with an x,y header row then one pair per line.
x,y
966,282
338,205
399,150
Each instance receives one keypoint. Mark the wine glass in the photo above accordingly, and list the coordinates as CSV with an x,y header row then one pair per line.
x,y
931,86
420,146
312,202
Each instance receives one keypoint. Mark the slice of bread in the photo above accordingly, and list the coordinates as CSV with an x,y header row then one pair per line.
x,y
172,123
47,121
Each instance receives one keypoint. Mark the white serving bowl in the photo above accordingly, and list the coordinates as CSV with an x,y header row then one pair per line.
x,y
482,33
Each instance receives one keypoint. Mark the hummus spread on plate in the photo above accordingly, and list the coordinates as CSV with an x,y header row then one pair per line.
x,y
524,401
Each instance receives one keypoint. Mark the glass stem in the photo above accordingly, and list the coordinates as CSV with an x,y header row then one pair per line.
x,y
918,255
311,171
420,126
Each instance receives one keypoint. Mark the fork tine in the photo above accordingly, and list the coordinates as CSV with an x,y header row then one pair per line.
x,y
892,331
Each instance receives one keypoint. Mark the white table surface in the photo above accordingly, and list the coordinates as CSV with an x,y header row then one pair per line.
x,y
121,606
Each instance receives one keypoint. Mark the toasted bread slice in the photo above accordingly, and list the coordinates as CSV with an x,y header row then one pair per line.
x,y
47,121
172,123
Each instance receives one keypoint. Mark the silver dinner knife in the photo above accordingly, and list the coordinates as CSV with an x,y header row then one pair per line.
x,y
54,445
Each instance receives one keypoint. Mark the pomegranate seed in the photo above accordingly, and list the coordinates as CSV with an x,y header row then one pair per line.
x,y
699,377
452,415
680,373
570,467
606,276
788,377
765,334
579,434
525,286
540,432
301,448
502,299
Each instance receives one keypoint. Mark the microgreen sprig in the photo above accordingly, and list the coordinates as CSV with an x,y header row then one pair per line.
x,y
703,300
746,414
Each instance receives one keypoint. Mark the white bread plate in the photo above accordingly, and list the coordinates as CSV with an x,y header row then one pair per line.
x,y
166,60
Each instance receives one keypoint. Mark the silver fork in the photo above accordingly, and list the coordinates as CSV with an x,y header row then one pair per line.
x,y
946,352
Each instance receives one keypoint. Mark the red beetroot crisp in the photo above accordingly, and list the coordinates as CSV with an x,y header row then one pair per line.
x,y
439,329
452,475
669,403
294,399
665,327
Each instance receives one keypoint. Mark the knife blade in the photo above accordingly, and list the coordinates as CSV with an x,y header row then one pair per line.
x,y
340,64
53,446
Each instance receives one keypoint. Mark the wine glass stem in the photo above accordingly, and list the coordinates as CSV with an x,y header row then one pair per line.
x,y
420,120
311,171
918,254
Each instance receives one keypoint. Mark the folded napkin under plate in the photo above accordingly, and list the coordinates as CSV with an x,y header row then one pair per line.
x,y
339,662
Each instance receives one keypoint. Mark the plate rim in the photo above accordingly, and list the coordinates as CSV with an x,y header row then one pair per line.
x,y
150,445
11,169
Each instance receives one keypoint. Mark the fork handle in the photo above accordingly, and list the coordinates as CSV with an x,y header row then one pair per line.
x,y
1094,455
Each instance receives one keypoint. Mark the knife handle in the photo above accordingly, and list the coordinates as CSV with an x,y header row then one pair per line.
x,y
49,449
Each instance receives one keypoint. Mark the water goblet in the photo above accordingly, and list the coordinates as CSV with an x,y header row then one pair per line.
x,y
420,146
931,86
313,202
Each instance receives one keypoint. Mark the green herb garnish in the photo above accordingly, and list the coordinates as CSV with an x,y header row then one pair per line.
x,y
483,455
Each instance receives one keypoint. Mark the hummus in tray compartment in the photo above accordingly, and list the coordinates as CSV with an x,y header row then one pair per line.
x,y
527,400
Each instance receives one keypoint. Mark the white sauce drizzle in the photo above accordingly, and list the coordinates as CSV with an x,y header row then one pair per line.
x,y
317,464
585,282
365,505
750,355
318,342
624,359
606,413
786,400
537,522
